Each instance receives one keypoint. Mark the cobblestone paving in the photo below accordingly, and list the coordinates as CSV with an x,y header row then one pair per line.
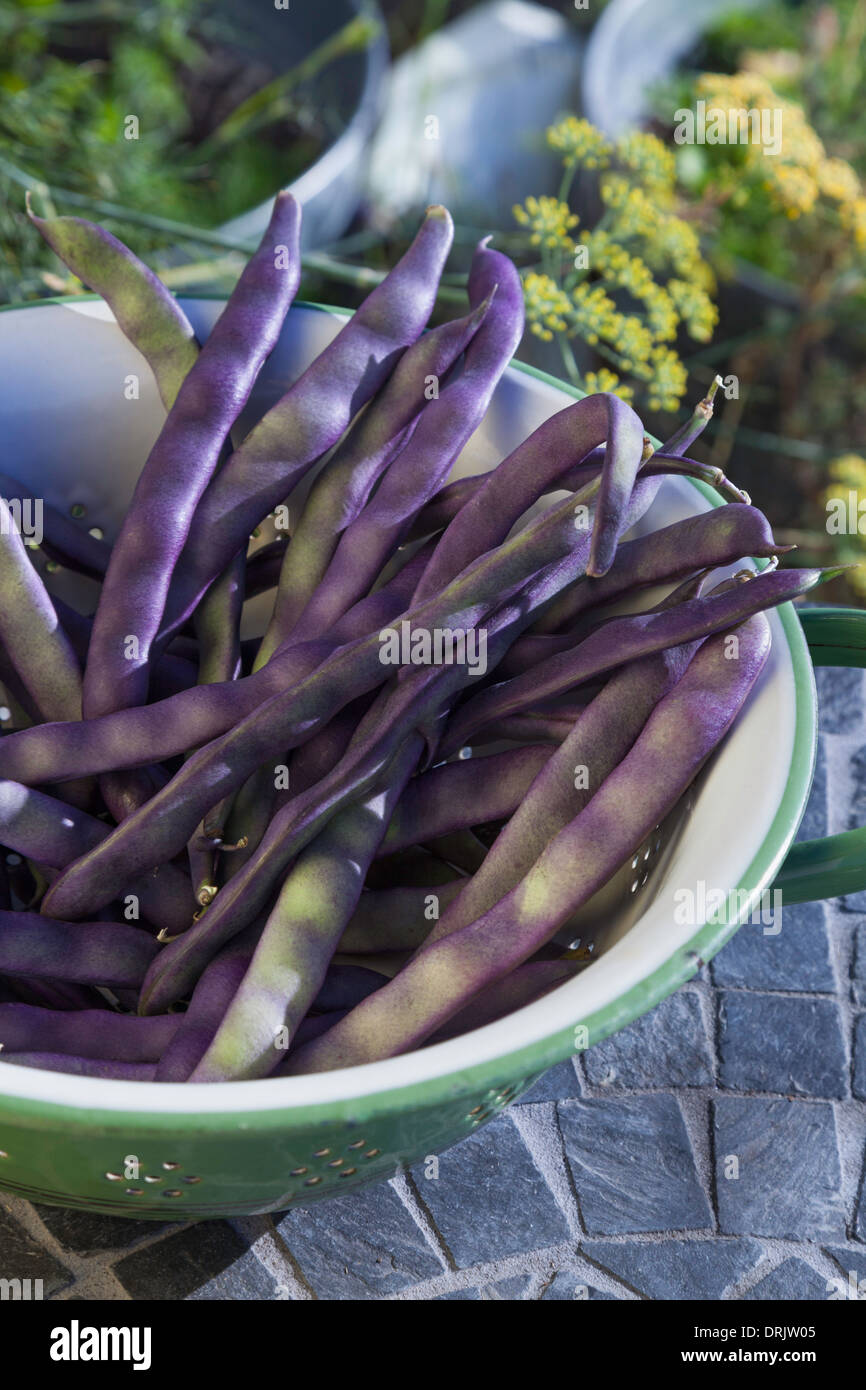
x,y
612,1177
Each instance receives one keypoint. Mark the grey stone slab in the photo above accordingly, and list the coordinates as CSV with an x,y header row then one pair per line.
x,y
796,958
560,1083
566,1286
458,1296
840,699
665,1048
787,1162
245,1281
22,1257
859,1081
632,1165
792,1280
851,1284
815,818
489,1200
512,1290
677,1269
362,1246
90,1233
858,972
182,1263
860,1214
771,1042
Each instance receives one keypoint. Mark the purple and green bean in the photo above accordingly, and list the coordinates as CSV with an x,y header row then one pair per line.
x,y
358,880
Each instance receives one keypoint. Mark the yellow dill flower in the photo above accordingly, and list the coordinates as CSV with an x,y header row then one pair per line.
x,y
549,219
592,312
606,380
695,307
666,377
547,306
629,336
794,190
662,315
579,142
837,180
646,156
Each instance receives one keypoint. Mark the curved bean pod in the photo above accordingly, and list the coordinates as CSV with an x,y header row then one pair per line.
x,y
101,953
288,970
148,315
313,414
597,743
396,919
82,1066
212,995
88,1033
45,829
710,539
533,468
179,468
682,732
441,432
35,643
341,490
623,639
523,986
458,795
150,836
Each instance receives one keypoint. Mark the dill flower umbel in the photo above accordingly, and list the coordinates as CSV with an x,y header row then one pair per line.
x,y
640,276
549,221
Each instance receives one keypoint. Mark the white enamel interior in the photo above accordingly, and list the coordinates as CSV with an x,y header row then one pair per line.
x,y
71,435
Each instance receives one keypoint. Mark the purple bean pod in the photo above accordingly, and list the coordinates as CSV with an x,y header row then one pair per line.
x,y
289,967
98,1033
680,735
440,434
458,795
313,414
396,919
180,466
82,1066
341,490
624,639
100,953
64,540
37,647
146,312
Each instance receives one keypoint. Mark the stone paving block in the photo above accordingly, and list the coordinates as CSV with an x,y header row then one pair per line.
x,y
560,1083
91,1233
666,1047
511,1290
858,1084
490,1200
840,699
797,958
566,1286
363,1246
793,1279
680,1269
788,1163
852,1272
245,1281
632,1165
858,973
22,1257
459,1295
773,1043
860,1214
183,1263
815,819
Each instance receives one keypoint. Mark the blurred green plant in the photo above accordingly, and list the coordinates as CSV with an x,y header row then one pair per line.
x,y
73,74
632,280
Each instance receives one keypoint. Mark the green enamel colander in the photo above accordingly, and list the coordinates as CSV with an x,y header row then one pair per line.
x,y
73,435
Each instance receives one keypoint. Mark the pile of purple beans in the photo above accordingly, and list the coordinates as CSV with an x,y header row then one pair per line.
x,y
227,860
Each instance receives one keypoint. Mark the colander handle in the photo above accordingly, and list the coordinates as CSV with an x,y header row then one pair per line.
x,y
826,868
